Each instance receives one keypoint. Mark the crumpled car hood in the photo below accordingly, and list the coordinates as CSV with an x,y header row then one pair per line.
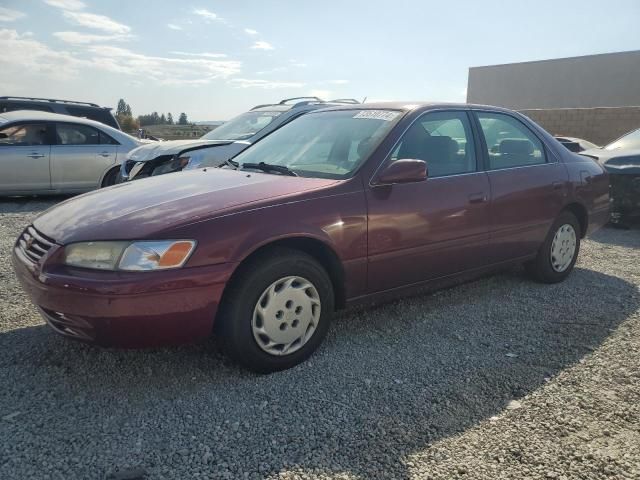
x,y
172,147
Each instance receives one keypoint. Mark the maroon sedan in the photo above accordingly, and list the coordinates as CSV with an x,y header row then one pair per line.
x,y
341,205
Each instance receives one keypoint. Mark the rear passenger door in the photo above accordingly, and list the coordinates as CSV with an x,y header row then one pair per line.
x,y
24,157
80,157
528,185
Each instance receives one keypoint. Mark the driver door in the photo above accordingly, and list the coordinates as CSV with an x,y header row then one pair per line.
x,y
438,227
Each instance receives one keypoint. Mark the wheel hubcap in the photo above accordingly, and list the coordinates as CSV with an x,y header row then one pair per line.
x,y
563,248
286,315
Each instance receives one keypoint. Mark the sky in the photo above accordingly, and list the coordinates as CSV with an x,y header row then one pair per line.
x,y
214,59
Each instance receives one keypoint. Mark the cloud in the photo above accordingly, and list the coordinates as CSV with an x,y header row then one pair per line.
x,y
265,84
203,54
21,53
173,26
262,45
78,38
338,82
25,57
66,4
10,15
98,22
250,31
206,14
164,70
323,94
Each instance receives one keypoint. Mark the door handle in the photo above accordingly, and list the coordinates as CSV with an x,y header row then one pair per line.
x,y
477,198
36,155
105,154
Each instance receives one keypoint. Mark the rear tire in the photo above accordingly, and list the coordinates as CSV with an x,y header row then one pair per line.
x,y
559,252
276,311
110,178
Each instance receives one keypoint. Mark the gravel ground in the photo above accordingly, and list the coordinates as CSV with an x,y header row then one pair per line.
x,y
498,378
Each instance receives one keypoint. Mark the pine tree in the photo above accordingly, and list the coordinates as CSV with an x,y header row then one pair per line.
x,y
183,119
122,107
169,118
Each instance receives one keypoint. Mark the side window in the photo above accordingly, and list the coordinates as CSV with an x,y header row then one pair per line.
x,y
29,134
509,142
106,139
73,134
444,140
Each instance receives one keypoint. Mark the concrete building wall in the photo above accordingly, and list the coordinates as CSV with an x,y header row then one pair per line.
x,y
606,80
598,125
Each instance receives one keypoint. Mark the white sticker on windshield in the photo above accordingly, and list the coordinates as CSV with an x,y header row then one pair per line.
x,y
386,115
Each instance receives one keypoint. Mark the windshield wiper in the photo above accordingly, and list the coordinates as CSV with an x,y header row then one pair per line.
x,y
270,167
231,163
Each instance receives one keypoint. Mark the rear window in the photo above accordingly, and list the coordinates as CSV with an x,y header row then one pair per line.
x,y
97,114
629,141
243,126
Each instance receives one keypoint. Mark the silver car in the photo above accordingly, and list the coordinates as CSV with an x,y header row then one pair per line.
x,y
42,152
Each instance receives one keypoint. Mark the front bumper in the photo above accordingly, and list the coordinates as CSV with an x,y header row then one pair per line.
x,y
128,310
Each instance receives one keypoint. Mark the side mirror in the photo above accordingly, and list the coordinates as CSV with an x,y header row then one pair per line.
x,y
402,171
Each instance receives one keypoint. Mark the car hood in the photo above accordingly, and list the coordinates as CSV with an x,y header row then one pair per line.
x,y
156,149
157,205
618,161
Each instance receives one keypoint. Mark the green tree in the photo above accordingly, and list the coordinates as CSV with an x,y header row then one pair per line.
x,y
128,123
169,118
182,120
163,120
122,107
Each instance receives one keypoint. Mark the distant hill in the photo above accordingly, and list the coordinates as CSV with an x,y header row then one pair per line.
x,y
179,132
217,123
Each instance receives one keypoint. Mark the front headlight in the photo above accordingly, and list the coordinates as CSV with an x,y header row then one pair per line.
x,y
129,256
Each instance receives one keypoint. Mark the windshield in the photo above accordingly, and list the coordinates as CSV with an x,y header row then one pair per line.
x,y
242,127
629,141
330,144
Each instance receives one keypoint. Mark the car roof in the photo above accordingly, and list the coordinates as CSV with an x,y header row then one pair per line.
x,y
38,115
272,108
408,106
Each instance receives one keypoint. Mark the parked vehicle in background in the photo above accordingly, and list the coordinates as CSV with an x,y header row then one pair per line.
x,y
44,153
621,158
342,205
575,145
220,144
90,111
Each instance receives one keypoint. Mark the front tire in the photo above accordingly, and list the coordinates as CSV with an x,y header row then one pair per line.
x,y
276,312
110,178
559,252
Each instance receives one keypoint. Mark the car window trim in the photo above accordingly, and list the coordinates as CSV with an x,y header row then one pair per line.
x,y
418,117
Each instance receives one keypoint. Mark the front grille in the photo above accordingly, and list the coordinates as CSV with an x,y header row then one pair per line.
x,y
69,325
33,245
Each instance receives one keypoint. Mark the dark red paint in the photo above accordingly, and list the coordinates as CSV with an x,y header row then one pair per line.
x,y
381,237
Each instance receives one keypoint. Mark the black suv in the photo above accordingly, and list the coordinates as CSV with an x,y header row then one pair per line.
x,y
65,107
